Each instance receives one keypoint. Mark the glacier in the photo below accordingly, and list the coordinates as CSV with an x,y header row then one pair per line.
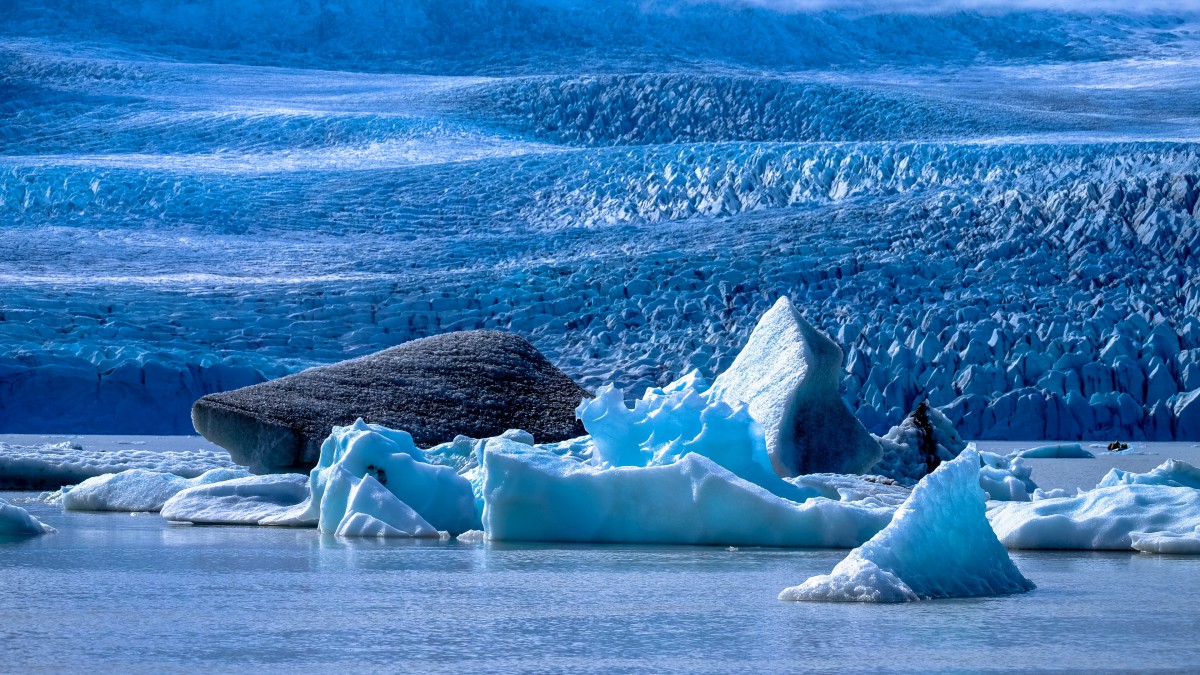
x,y
938,545
994,212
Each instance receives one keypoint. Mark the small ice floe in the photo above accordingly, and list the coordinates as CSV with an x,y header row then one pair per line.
x,y
1057,451
16,522
472,537
938,545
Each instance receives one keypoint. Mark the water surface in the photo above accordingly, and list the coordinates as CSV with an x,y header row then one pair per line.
x,y
136,594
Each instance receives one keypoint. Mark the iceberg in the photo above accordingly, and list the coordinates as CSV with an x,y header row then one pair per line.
x,y
670,423
1103,519
16,522
789,374
1177,543
531,494
438,494
920,443
1173,473
1005,478
938,545
241,501
137,489
1058,451
373,511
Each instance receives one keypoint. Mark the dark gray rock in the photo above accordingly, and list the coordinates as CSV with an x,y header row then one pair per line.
x,y
474,383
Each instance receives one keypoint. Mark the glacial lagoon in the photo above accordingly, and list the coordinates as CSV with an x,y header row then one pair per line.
x,y
135,593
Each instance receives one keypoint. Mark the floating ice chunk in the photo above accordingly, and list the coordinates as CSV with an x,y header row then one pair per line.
x,y
1178,543
52,465
1005,478
437,493
1057,493
472,536
242,501
535,495
1171,472
789,374
1099,520
16,522
1059,451
373,511
925,439
938,545
667,424
878,490
137,489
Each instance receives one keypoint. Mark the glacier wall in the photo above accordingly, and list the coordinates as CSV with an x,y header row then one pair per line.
x,y
996,212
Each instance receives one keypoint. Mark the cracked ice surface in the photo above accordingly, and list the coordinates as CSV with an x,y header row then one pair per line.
x,y
1013,238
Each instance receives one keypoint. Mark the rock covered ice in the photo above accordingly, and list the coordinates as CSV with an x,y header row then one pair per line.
x,y
938,545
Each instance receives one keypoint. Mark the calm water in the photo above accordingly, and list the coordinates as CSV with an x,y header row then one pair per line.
x,y
133,593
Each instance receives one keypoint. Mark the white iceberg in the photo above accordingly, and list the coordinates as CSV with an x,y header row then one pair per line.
x,y
242,501
1176,543
789,374
938,545
438,494
137,489
1173,473
535,495
16,522
1102,519
1006,478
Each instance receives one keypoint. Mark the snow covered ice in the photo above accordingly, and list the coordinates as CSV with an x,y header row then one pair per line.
x,y
49,466
241,501
137,489
938,545
1177,543
1124,507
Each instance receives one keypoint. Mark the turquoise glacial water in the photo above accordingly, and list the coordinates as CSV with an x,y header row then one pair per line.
x,y
115,592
